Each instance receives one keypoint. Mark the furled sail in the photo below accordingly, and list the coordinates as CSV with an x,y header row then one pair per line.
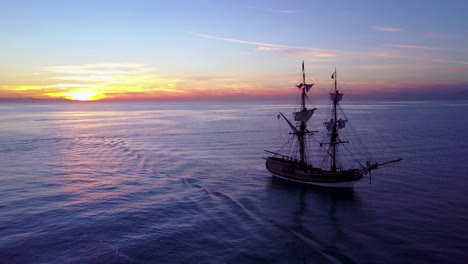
x,y
304,115
330,125
337,96
340,124
305,85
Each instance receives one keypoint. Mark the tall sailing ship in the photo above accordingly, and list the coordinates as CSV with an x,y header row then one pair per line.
x,y
298,167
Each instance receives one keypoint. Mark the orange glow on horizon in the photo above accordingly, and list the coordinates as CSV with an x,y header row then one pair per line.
x,y
84,96
137,82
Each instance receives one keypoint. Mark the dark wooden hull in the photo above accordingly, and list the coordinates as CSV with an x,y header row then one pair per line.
x,y
294,171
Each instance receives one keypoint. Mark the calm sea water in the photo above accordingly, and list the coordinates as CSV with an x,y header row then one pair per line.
x,y
186,183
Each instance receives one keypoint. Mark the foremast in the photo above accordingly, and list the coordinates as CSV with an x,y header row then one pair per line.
x,y
302,117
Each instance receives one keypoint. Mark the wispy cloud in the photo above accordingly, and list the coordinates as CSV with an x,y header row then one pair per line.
x,y
421,47
293,50
107,78
104,76
21,87
397,56
89,78
241,41
111,81
127,80
74,85
101,69
300,53
211,78
385,29
264,44
283,11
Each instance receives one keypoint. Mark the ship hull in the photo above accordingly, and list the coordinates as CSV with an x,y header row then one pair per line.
x,y
294,171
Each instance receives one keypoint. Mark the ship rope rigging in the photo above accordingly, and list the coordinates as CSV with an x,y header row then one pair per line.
x,y
356,150
300,162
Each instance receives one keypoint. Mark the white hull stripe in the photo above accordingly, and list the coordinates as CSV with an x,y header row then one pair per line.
x,y
348,184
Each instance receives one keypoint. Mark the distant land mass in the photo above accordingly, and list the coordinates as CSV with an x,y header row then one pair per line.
x,y
461,95
428,96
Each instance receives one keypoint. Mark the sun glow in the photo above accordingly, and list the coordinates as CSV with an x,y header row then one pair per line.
x,y
84,96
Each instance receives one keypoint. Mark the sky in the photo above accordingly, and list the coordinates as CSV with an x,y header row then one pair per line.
x,y
229,49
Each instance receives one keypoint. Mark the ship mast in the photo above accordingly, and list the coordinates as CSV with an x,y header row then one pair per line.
x,y
334,134
303,126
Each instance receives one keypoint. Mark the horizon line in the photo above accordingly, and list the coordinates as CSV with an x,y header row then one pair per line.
x,y
425,95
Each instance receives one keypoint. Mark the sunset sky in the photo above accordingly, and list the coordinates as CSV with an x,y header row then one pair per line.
x,y
196,49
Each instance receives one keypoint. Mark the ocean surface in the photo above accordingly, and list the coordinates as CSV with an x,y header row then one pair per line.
x,y
186,183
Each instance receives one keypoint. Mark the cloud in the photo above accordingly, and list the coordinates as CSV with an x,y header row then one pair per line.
x,y
126,80
103,74
283,11
89,78
240,41
385,29
421,47
210,78
107,79
397,56
73,85
21,87
263,44
101,69
294,50
300,53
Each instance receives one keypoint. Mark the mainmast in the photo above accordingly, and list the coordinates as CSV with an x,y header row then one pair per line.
x,y
303,127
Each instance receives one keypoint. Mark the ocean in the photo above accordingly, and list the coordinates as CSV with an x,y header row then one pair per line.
x,y
155,182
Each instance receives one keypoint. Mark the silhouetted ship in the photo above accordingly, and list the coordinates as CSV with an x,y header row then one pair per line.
x,y
297,168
